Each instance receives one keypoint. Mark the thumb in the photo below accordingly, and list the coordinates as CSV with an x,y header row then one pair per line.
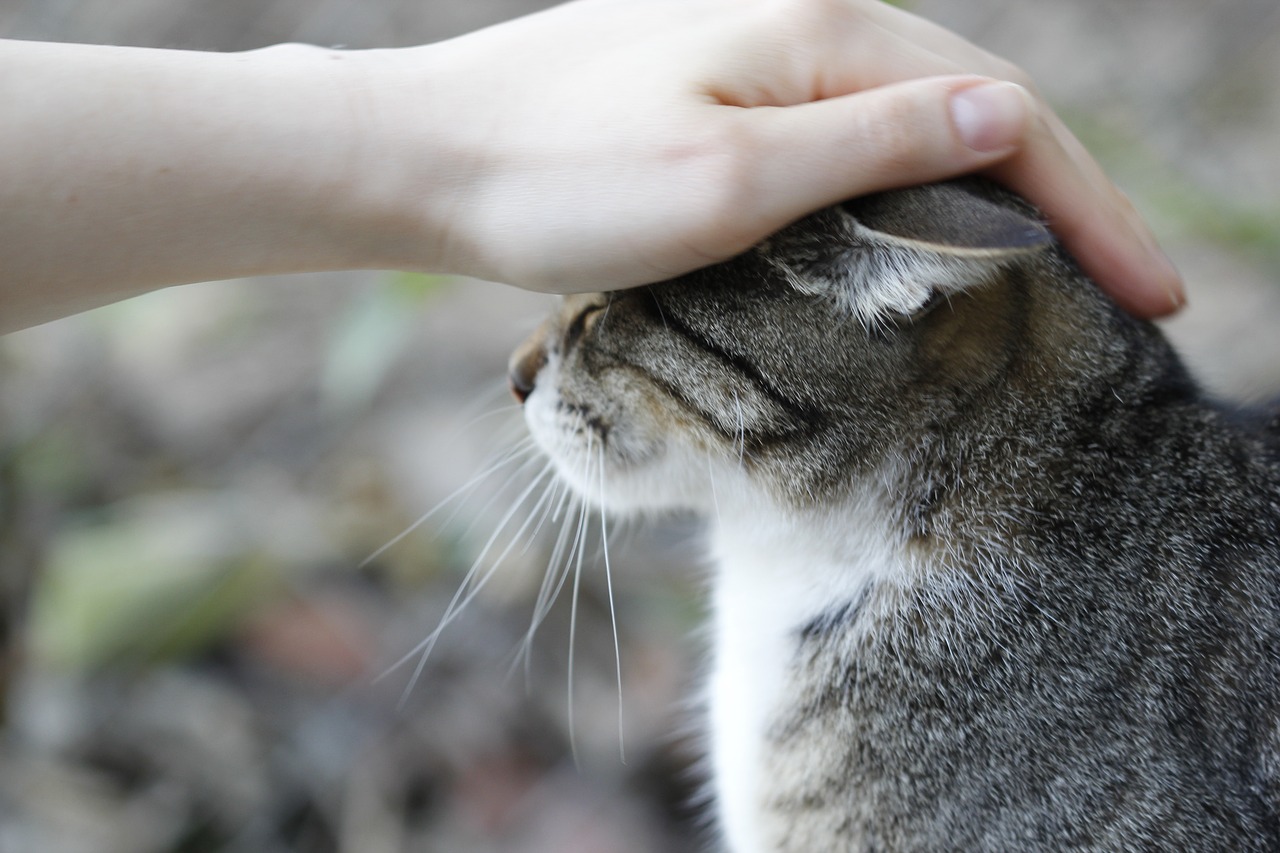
x,y
900,134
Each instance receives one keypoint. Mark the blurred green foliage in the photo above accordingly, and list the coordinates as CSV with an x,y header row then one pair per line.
x,y
1179,206
165,574
146,581
370,337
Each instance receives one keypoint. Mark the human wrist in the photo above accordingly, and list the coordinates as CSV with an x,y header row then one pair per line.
x,y
340,191
413,161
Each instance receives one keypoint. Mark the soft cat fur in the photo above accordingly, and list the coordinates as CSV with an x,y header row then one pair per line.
x,y
991,574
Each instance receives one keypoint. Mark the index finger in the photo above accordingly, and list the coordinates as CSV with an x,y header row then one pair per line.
x,y
1094,220
1050,167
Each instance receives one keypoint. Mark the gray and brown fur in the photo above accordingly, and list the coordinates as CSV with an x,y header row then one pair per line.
x,y
1090,656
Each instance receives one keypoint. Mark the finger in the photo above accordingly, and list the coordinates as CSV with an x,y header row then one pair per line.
x,y
926,130
934,43
837,49
898,135
1093,219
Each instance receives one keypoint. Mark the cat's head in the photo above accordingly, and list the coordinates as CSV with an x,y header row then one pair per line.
x,y
798,366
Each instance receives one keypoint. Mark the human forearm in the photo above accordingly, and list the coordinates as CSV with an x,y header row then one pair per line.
x,y
125,169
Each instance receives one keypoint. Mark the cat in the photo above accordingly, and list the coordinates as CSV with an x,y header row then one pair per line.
x,y
990,572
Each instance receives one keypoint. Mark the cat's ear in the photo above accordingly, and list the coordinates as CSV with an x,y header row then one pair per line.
x,y
894,252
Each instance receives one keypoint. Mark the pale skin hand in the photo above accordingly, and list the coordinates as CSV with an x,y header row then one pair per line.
x,y
601,144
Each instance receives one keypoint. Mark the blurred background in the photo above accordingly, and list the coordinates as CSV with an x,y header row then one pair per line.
x,y
196,654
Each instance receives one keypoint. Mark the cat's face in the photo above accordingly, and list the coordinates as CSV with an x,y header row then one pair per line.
x,y
782,373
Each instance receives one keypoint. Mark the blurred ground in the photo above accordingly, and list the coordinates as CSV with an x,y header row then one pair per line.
x,y
189,483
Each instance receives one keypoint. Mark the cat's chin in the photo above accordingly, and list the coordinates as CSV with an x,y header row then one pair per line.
x,y
666,480
626,477
625,467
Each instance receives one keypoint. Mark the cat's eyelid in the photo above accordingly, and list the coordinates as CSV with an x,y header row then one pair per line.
x,y
578,325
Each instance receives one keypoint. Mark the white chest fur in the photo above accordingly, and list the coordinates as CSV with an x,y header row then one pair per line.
x,y
773,578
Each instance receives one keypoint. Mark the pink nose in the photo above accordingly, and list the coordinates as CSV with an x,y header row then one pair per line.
x,y
523,374
520,388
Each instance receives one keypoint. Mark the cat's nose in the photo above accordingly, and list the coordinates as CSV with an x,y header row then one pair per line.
x,y
524,367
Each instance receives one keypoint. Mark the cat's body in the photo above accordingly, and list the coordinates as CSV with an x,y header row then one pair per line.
x,y
990,573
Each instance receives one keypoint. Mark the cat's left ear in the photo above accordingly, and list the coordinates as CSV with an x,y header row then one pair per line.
x,y
892,253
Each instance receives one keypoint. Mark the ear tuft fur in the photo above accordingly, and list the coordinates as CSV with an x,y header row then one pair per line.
x,y
888,254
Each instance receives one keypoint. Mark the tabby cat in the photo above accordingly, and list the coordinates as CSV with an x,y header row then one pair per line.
x,y
990,571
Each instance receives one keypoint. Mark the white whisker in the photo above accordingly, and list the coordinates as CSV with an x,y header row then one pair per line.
x,y
581,547
613,614
575,553
604,316
495,391
658,305
509,408
547,511
553,580
557,571
463,596
552,583
502,491
742,427
505,459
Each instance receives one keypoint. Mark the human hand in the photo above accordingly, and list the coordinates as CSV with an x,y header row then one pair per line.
x,y
600,144
607,143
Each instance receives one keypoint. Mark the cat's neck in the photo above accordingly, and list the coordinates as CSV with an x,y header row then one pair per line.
x,y
779,573
807,559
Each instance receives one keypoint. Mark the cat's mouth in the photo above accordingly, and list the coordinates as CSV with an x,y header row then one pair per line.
x,y
611,458
573,435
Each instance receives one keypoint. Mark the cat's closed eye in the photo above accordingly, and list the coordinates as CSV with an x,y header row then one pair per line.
x,y
578,324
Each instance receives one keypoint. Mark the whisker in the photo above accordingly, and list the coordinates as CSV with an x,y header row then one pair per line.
x,y
505,459
515,539
502,491
554,579
566,497
613,614
552,583
543,603
742,427
573,609
496,390
463,596
556,569
551,506
562,574
658,305
605,315
504,409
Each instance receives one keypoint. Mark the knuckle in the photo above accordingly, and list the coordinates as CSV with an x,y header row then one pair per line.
x,y
891,133
895,145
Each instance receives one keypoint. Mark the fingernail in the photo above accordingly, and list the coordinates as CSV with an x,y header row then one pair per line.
x,y
1161,269
1170,280
990,117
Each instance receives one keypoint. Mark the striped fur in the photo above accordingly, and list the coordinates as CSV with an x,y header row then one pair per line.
x,y
991,573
